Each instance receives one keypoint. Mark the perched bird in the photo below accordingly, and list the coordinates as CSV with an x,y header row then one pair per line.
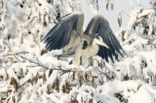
x,y
98,39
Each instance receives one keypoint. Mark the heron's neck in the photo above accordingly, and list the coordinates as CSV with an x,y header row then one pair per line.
x,y
94,44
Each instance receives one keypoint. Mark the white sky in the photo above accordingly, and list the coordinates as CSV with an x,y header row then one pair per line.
x,y
111,16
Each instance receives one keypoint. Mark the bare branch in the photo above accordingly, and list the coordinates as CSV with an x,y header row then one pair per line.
x,y
23,52
13,53
31,61
41,65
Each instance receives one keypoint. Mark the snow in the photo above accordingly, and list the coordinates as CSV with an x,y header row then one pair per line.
x,y
30,74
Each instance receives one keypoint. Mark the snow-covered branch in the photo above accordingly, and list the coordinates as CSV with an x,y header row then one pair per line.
x,y
30,73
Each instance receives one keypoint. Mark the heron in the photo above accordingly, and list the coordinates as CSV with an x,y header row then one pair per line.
x,y
97,39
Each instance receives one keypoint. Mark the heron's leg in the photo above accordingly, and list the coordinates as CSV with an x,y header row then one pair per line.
x,y
77,59
84,61
90,59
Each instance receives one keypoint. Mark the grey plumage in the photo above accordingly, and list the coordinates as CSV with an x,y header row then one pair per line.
x,y
98,39
101,26
59,35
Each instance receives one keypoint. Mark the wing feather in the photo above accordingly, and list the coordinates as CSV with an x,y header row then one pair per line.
x,y
59,35
100,25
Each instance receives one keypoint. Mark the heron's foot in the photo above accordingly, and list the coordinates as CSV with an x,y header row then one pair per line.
x,y
60,56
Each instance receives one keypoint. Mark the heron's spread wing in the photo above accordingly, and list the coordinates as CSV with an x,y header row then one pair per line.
x,y
60,34
100,25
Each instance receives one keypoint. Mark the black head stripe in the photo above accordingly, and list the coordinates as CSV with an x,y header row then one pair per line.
x,y
85,44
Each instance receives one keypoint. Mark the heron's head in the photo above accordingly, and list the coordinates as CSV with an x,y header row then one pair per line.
x,y
98,40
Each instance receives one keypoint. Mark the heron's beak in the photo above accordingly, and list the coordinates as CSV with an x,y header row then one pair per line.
x,y
103,44
100,42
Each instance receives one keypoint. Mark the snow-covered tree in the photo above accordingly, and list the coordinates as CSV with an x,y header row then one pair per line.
x,y
29,73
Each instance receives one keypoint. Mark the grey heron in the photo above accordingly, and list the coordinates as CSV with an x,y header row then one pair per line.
x,y
97,39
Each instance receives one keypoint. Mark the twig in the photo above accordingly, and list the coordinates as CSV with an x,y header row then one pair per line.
x,y
35,40
7,75
6,91
39,64
31,61
106,75
71,7
13,53
23,52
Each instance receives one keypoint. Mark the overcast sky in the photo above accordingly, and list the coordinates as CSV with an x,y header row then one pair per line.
x,y
111,16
